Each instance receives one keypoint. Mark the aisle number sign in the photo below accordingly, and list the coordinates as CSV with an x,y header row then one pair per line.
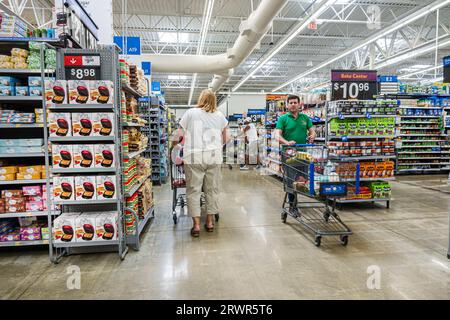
x,y
353,84
133,44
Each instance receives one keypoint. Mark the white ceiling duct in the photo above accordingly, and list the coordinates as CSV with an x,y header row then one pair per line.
x,y
251,30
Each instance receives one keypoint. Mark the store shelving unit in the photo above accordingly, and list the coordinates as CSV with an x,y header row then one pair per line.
x,y
28,130
109,58
421,137
334,111
134,238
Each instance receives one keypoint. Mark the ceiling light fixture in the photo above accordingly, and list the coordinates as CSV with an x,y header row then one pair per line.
x,y
207,13
396,26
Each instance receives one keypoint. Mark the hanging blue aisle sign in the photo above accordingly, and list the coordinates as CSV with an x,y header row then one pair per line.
x,y
256,111
146,67
447,61
447,69
391,79
156,86
133,44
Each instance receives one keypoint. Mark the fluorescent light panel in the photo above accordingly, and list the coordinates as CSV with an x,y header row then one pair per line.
x,y
413,17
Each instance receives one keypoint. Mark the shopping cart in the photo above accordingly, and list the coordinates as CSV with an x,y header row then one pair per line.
x,y
305,173
177,182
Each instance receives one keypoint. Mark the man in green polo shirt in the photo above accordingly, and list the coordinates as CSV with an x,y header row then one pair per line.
x,y
294,128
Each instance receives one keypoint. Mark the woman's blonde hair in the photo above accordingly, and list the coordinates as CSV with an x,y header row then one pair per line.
x,y
207,101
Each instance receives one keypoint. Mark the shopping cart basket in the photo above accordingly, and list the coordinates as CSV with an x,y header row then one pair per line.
x,y
178,181
305,173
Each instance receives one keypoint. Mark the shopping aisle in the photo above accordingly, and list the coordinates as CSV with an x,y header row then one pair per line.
x,y
252,255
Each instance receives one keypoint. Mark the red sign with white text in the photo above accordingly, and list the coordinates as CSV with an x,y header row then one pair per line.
x,y
73,61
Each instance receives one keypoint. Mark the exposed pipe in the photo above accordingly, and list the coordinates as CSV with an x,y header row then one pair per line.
x,y
251,30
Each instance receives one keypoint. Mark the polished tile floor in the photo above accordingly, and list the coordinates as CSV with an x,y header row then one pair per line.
x,y
398,253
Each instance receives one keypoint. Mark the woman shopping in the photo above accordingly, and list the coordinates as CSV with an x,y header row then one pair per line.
x,y
205,133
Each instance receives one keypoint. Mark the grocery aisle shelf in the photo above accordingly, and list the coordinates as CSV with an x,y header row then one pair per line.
x,y
28,214
134,154
143,222
81,139
351,116
21,125
362,200
128,89
23,243
360,137
22,155
137,185
24,71
112,201
82,170
361,158
20,98
86,244
81,106
18,182
369,179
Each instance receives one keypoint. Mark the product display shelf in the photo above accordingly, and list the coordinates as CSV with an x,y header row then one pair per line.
x,y
83,170
129,90
36,130
22,155
22,126
23,182
152,115
275,108
133,154
87,244
140,224
137,185
82,139
412,134
359,113
20,99
28,214
75,107
109,71
24,243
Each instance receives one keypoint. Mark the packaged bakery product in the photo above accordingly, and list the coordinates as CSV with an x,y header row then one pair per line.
x,y
28,176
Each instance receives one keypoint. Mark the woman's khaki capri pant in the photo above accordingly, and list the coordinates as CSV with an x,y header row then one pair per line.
x,y
206,177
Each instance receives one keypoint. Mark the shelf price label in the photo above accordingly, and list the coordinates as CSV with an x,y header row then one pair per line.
x,y
357,84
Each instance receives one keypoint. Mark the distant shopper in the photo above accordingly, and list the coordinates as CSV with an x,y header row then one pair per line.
x,y
294,128
251,140
205,133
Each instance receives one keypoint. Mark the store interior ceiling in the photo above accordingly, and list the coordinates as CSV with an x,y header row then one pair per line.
x,y
308,38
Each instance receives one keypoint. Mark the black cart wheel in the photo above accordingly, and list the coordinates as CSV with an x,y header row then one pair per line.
x,y
283,217
318,241
326,216
216,217
175,218
344,240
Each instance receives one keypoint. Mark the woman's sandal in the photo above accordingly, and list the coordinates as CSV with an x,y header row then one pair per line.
x,y
209,229
195,233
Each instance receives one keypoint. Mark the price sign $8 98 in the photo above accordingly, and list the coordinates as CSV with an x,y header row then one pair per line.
x,y
81,73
